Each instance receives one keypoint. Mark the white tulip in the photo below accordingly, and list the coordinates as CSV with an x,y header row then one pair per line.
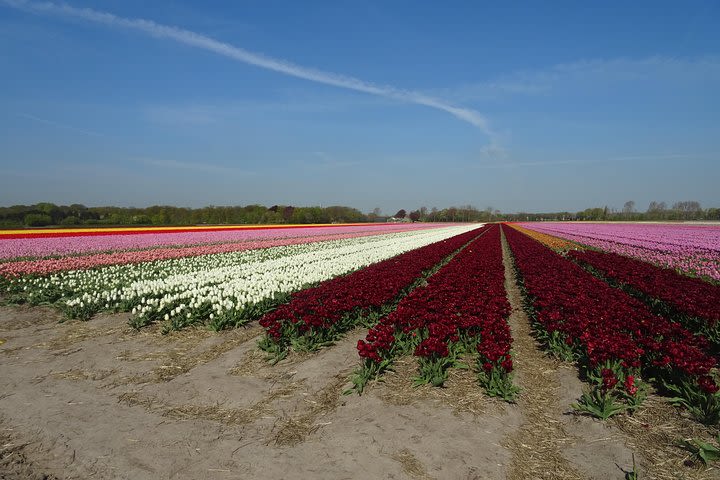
x,y
234,281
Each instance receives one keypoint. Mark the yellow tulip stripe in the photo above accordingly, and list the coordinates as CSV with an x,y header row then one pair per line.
x,y
548,240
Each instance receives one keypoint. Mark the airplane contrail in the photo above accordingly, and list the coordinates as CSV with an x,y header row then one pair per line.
x,y
198,40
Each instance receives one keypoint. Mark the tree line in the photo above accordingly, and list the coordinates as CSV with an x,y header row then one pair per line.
x,y
656,211
49,214
46,214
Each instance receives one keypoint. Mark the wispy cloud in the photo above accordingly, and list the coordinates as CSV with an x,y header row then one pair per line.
x,y
62,126
198,167
536,164
201,41
620,159
586,74
672,156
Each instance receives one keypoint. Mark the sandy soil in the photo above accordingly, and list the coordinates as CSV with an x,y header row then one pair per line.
x,y
99,400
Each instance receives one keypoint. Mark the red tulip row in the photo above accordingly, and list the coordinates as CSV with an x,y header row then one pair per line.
x,y
319,315
614,335
694,302
462,309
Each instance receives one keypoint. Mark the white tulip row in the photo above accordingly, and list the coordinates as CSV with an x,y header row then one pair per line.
x,y
226,285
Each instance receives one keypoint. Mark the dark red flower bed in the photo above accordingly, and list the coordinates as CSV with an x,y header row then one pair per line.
x,y
604,324
462,307
320,314
686,295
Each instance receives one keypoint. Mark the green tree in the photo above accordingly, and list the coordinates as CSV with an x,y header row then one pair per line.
x,y
37,220
71,220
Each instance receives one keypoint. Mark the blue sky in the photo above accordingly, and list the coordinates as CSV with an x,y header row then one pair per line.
x,y
390,104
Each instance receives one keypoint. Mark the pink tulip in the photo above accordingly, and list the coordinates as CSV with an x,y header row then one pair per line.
x,y
689,248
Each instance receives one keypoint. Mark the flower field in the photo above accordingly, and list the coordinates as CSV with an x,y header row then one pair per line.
x,y
616,338
60,242
551,241
461,311
318,315
46,266
277,327
434,293
689,300
222,289
689,248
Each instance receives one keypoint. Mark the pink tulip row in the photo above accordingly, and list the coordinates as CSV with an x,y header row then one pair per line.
x,y
689,248
82,262
44,247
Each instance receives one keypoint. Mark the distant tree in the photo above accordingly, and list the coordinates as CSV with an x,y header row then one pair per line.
x,y
70,221
423,213
374,215
414,215
688,209
653,207
52,210
141,220
401,213
488,213
288,213
339,214
629,208
656,210
159,218
596,213
451,215
37,220
272,217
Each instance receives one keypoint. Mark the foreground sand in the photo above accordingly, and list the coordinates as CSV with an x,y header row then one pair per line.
x,y
98,400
